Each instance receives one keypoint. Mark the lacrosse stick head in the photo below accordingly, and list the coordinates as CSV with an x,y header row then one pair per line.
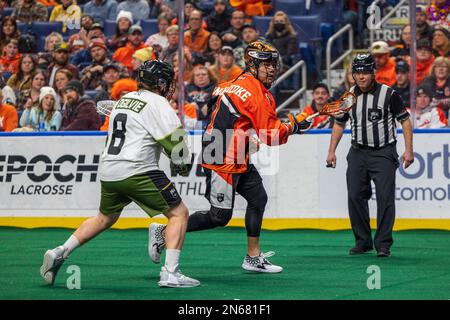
x,y
343,105
105,107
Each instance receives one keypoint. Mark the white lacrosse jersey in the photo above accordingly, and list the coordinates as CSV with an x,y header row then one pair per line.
x,y
138,120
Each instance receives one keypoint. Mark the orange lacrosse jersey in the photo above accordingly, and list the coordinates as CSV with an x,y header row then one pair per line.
x,y
8,117
242,107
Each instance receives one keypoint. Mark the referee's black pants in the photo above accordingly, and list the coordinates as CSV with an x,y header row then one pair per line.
x,y
380,166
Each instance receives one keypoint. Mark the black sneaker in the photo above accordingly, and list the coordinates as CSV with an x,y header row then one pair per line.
x,y
383,253
359,250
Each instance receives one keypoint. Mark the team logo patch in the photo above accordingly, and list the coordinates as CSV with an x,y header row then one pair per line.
x,y
374,115
174,192
220,197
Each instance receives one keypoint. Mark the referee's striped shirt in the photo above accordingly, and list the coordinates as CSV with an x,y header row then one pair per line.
x,y
373,118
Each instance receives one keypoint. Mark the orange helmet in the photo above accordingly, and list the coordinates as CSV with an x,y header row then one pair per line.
x,y
261,51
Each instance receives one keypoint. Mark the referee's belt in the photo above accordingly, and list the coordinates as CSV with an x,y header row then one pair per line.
x,y
363,147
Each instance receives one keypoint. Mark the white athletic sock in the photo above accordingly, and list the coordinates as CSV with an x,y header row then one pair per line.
x,y
71,244
172,259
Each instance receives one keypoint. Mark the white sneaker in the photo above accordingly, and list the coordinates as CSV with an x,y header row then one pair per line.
x,y
156,241
176,279
53,260
260,263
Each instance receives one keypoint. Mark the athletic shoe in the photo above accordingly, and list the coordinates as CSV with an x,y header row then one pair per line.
x,y
176,279
53,260
383,253
156,241
260,263
358,250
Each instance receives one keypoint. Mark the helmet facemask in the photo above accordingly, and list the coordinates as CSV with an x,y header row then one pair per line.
x,y
167,90
265,59
158,77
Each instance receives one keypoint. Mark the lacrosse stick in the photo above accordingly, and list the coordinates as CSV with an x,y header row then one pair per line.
x,y
105,107
338,107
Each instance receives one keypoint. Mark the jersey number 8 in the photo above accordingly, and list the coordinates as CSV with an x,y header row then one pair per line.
x,y
119,129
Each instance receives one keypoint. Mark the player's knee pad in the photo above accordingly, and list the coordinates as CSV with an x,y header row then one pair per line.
x,y
220,217
258,200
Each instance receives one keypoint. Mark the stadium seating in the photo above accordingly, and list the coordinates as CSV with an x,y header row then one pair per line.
x,y
262,23
40,44
326,31
49,10
291,7
45,28
71,31
149,27
206,6
328,11
109,27
6,75
307,27
23,27
7,11
91,93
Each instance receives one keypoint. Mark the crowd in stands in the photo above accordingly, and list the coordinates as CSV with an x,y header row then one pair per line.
x,y
393,64
53,82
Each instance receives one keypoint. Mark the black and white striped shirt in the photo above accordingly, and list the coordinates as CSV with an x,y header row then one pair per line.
x,y
373,119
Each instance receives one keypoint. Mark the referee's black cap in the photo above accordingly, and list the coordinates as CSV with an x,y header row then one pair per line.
x,y
363,63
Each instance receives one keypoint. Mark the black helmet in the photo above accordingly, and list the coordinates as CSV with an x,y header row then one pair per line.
x,y
363,63
157,75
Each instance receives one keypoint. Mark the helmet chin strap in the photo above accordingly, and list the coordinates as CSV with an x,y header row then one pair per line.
x,y
255,73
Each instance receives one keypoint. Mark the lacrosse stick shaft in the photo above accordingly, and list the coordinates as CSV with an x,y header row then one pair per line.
x,y
311,117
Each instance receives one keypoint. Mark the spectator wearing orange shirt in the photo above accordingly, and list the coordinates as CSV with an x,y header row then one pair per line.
x,y
9,61
196,38
225,68
321,95
252,7
134,43
48,3
424,58
189,7
8,116
119,89
385,65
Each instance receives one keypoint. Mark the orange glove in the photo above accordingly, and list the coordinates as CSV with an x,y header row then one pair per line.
x,y
299,127
301,116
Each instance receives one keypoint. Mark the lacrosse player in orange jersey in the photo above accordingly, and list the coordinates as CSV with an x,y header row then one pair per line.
x,y
240,107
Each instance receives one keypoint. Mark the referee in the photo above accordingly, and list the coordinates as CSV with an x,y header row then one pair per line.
x,y
372,156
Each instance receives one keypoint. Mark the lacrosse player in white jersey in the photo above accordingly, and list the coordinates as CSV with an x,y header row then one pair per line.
x,y
142,125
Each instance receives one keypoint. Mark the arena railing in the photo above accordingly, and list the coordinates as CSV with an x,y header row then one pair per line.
x,y
347,28
302,90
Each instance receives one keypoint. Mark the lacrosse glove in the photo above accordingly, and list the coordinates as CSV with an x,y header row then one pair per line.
x,y
299,123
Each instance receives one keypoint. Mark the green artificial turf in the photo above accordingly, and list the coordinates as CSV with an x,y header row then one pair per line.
x,y
115,265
